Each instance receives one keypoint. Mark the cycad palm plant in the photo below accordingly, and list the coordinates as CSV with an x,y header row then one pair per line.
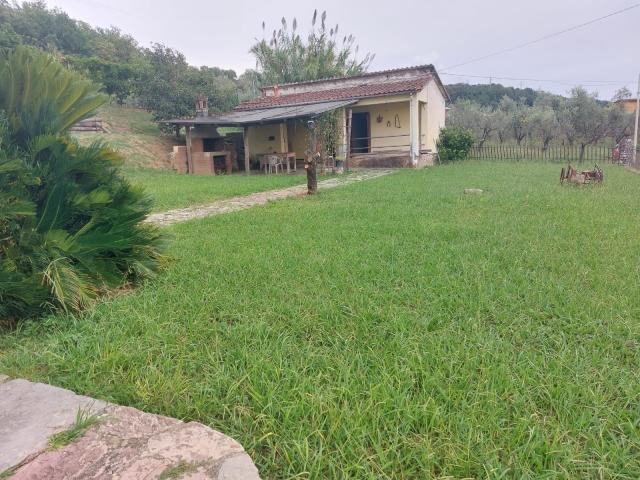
x,y
71,227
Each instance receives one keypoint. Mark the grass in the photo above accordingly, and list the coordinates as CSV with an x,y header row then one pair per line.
x,y
84,420
394,328
135,135
178,471
173,190
146,151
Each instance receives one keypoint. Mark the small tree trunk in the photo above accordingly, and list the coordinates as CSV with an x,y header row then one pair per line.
x,y
310,165
311,162
582,147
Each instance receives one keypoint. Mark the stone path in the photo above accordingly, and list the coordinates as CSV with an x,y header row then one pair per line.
x,y
240,203
124,443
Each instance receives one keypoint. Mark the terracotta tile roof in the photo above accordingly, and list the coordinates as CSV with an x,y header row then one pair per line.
x,y
377,73
374,89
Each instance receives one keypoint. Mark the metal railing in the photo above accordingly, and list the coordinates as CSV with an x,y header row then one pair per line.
x,y
370,147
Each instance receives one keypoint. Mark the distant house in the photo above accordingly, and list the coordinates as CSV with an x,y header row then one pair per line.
x,y
629,104
390,118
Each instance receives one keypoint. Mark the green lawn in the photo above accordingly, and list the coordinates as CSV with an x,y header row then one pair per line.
x,y
394,328
174,190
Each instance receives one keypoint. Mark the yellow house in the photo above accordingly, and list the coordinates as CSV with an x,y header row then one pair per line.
x,y
390,118
628,104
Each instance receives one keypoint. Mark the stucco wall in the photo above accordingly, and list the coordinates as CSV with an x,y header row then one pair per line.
x,y
298,140
266,139
432,111
392,133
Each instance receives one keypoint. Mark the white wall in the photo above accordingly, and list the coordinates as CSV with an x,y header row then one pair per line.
x,y
432,111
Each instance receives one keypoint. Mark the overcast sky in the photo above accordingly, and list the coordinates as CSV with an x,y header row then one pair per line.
x,y
404,32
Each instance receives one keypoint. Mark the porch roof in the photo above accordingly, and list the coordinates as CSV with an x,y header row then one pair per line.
x,y
263,115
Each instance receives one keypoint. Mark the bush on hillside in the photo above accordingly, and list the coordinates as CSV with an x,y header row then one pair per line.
x,y
70,225
454,144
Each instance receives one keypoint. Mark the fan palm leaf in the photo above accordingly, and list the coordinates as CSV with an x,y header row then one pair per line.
x,y
71,227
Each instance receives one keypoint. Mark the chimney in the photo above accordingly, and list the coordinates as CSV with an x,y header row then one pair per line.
x,y
202,106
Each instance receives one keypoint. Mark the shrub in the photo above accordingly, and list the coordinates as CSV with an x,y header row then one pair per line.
x,y
454,144
70,225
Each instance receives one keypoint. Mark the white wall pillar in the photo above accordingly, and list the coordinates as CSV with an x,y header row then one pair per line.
x,y
414,128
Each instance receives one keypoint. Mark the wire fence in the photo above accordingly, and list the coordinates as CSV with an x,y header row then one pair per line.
x,y
589,153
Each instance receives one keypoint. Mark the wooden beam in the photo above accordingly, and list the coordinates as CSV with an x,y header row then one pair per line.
x,y
348,139
247,163
282,129
189,157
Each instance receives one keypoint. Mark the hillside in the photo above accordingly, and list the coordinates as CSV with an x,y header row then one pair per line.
x,y
135,135
490,95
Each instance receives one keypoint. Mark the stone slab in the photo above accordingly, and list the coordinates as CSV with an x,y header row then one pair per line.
x,y
30,413
129,445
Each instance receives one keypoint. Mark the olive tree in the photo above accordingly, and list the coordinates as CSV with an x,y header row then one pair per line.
x,y
586,119
517,117
544,124
470,116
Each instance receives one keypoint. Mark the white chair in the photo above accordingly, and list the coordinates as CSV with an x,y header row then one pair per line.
x,y
272,162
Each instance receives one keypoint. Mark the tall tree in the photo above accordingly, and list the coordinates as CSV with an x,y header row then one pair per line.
x,y
288,57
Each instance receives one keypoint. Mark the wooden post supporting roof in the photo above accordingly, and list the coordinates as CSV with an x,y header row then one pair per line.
x,y
247,163
347,154
189,156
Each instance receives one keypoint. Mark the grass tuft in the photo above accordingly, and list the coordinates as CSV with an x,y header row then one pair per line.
x,y
178,471
84,421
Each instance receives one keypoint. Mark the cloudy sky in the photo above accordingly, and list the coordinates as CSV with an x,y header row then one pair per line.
x,y
602,56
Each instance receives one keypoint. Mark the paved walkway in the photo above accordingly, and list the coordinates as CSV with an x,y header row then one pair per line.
x,y
123,443
240,203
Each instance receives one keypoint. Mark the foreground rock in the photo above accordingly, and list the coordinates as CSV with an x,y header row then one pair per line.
x,y
124,443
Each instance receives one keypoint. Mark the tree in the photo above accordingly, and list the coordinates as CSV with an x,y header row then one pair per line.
x,y
544,124
517,117
586,118
622,94
287,57
475,118
169,85
619,121
490,95
71,227
51,30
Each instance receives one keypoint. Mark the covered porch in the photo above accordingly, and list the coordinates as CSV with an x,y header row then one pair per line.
x,y
389,132
269,140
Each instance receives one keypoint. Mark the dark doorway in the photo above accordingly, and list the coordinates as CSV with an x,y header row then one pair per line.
x,y
360,141
210,144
